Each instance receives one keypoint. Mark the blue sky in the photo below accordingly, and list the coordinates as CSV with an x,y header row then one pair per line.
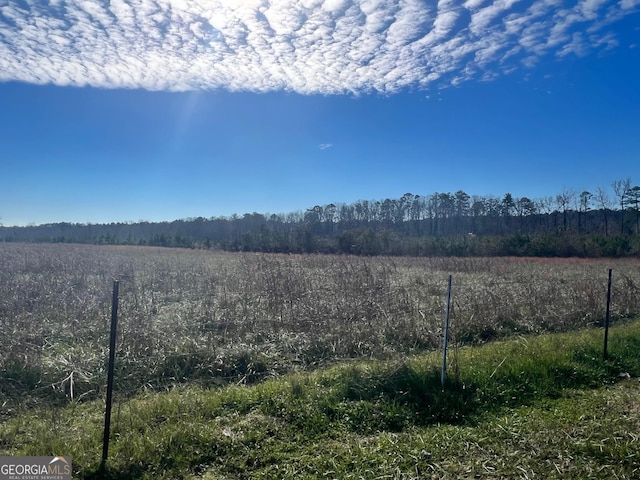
x,y
165,109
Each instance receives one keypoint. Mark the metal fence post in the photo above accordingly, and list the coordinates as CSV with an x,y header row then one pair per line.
x,y
605,353
443,375
112,357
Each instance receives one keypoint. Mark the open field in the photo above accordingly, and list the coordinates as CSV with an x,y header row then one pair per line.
x,y
196,316
531,407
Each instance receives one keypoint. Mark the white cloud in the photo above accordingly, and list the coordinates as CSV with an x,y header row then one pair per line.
x,y
629,4
324,146
483,17
472,4
308,46
577,46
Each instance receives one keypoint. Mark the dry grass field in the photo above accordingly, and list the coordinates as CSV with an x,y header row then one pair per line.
x,y
283,366
205,317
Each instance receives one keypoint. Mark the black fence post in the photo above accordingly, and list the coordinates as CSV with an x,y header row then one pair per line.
x,y
112,357
445,341
605,353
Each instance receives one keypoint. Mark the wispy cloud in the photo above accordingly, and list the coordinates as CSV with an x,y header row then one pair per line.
x,y
324,146
307,46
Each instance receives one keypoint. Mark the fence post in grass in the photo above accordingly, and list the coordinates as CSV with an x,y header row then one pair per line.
x,y
443,375
112,357
605,353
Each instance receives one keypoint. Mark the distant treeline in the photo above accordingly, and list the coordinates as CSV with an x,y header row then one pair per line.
x,y
569,224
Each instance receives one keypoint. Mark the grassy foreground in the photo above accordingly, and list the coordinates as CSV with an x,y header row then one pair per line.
x,y
531,407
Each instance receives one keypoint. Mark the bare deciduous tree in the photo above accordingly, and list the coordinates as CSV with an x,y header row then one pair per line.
x,y
564,201
621,189
604,203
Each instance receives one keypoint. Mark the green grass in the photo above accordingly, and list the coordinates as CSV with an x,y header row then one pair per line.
x,y
531,407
